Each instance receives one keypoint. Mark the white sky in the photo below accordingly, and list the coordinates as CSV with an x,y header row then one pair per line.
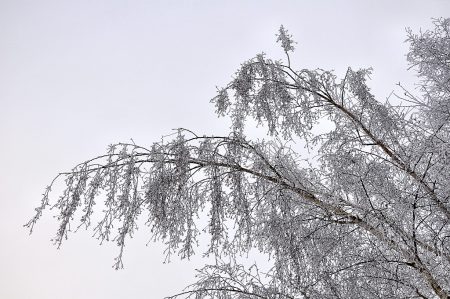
x,y
76,76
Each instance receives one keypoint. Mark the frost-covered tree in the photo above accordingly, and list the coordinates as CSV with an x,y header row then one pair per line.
x,y
368,216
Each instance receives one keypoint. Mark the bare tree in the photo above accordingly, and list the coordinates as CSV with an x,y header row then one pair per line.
x,y
367,217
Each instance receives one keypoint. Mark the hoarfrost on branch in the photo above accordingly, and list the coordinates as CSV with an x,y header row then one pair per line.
x,y
369,218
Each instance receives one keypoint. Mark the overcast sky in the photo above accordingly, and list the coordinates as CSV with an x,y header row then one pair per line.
x,y
76,76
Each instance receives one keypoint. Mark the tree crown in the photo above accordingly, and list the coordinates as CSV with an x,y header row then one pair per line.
x,y
368,217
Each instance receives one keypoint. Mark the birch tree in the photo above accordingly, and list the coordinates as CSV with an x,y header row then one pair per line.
x,y
367,217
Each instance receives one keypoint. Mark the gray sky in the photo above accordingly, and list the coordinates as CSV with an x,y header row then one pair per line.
x,y
76,76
